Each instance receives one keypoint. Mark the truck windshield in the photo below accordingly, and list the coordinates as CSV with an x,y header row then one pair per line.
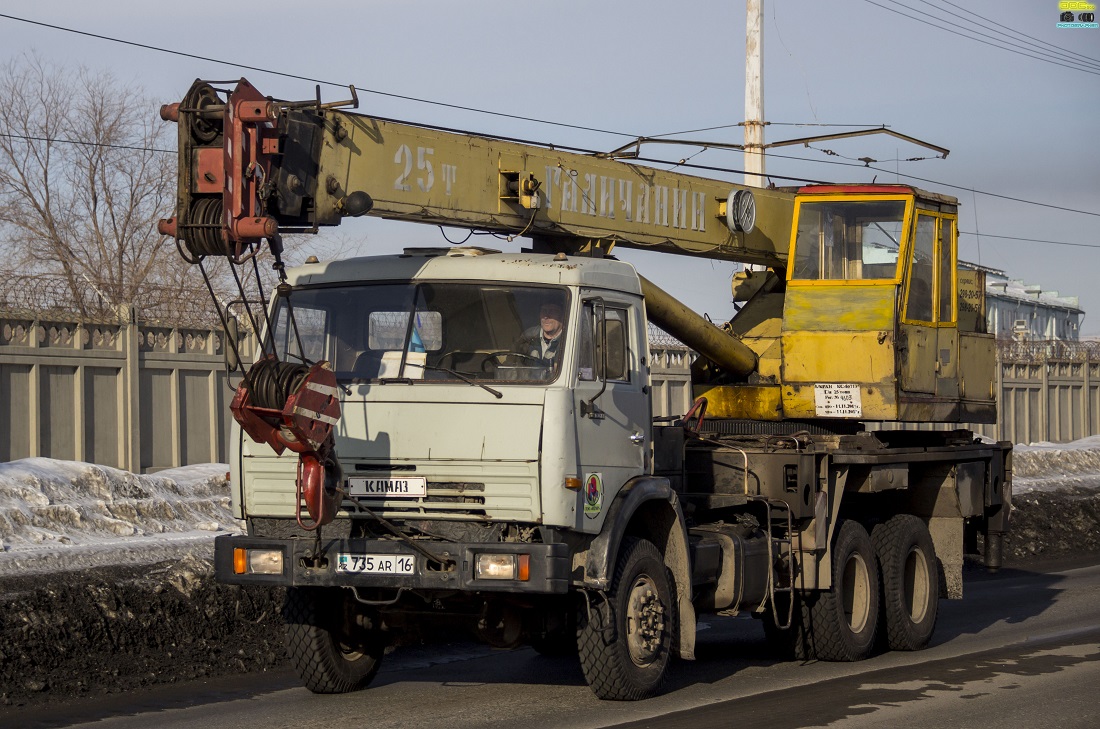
x,y
848,239
426,331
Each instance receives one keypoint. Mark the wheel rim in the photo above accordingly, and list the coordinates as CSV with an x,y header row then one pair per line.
x,y
645,621
347,652
916,585
857,593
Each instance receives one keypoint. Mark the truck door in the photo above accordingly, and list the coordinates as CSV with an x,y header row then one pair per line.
x,y
929,329
919,339
612,403
947,331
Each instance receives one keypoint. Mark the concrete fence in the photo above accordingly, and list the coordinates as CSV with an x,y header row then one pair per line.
x,y
1050,391
132,395
146,396
670,378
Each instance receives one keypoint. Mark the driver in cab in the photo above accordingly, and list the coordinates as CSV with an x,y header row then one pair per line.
x,y
543,342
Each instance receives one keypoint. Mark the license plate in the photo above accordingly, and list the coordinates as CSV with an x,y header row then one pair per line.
x,y
390,488
376,564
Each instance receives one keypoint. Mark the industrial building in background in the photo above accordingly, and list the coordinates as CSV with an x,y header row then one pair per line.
x,y
1025,312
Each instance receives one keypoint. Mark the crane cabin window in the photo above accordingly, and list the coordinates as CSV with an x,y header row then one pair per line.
x,y
931,293
918,306
846,240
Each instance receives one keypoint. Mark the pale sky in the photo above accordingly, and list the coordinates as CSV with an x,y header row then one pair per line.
x,y
1015,126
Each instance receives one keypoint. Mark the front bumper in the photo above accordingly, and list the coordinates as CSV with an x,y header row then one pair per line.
x,y
549,565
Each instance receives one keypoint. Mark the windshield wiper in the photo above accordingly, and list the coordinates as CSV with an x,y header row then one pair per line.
x,y
464,378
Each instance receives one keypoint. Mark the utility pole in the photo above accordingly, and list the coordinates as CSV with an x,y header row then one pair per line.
x,y
754,94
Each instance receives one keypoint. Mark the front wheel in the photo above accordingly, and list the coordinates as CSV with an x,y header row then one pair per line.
x,y
841,623
625,638
334,645
910,581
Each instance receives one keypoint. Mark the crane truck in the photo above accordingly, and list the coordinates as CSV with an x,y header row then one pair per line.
x,y
408,452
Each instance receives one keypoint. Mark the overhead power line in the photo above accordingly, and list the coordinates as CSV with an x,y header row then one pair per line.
x,y
988,194
1030,41
1025,35
298,77
517,117
29,138
1031,240
1056,53
674,163
671,163
1086,69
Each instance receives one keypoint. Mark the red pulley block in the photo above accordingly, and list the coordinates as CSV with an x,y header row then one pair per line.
x,y
321,504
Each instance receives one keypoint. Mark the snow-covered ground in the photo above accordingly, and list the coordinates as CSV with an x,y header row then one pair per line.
x,y
57,515
1053,466
67,515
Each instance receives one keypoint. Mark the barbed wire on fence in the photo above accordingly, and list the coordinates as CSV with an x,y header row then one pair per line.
x,y
1009,350
660,338
46,296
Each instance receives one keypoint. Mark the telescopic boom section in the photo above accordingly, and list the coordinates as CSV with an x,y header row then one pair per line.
x,y
696,332
252,167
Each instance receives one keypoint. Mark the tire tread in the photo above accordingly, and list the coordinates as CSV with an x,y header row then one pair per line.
x,y
823,634
312,650
888,539
603,665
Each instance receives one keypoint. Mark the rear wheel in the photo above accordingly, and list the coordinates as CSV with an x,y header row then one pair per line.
x,y
335,645
910,581
841,624
625,640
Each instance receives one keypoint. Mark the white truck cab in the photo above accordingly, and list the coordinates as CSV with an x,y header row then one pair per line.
x,y
450,411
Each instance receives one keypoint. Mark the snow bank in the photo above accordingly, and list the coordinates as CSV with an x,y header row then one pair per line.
x,y
62,514
1052,466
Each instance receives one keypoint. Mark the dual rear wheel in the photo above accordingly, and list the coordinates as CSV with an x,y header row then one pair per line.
x,y
885,591
910,580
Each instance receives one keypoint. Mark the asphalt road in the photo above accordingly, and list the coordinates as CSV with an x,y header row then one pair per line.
x,y
1021,650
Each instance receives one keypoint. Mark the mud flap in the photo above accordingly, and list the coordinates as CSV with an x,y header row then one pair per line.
x,y
686,643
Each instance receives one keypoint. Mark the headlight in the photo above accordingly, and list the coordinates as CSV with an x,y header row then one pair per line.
x,y
502,567
258,561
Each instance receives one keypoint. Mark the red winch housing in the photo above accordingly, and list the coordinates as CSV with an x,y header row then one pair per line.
x,y
304,425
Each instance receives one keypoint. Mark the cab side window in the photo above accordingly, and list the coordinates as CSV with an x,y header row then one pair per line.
x,y
616,344
931,295
611,338
918,306
947,270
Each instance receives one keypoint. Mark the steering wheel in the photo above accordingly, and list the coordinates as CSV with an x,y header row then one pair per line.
x,y
498,358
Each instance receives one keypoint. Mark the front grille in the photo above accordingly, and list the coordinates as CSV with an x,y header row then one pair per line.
x,y
508,492
445,496
460,490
